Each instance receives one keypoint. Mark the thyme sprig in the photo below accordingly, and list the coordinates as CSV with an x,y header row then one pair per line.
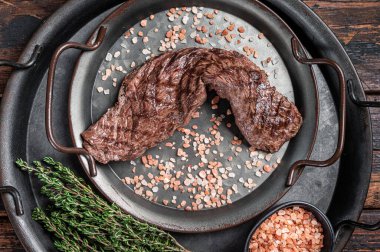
x,y
80,220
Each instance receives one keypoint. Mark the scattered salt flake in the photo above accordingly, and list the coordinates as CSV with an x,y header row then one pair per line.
x,y
149,193
133,64
253,154
108,57
185,19
100,89
202,174
267,168
143,22
241,29
134,40
235,188
116,54
146,51
193,34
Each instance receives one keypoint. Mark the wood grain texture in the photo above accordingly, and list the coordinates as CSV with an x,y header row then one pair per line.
x,y
355,22
18,21
363,240
8,238
357,25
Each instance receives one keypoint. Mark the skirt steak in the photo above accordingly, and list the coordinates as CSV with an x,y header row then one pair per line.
x,y
162,95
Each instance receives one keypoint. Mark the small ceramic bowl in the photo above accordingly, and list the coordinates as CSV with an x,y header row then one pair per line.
x,y
329,234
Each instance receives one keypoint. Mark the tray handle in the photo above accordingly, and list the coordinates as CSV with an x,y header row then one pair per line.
x,y
16,198
33,58
49,97
296,47
356,100
350,223
19,66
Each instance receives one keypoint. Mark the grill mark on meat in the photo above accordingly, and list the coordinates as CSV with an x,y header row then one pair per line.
x,y
162,95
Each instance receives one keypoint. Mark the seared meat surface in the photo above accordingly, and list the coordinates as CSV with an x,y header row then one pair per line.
x,y
162,95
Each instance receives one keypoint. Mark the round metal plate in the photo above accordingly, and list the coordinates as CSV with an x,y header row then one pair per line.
x,y
295,81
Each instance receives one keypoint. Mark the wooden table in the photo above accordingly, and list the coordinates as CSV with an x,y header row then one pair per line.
x,y
355,23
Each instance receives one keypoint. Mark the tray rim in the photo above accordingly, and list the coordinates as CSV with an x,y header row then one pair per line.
x,y
44,32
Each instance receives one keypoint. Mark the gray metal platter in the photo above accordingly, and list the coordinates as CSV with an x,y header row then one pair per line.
x,y
23,134
291,78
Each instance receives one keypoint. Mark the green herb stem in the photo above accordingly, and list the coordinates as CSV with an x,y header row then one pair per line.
x,y
80,220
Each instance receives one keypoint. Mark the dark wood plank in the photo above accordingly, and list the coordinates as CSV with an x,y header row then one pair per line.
x,y
363,240
373,197
19,20
357,25
8,238
375,116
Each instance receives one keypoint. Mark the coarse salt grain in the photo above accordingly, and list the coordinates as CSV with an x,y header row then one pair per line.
x,y
143,22
108,57
145,51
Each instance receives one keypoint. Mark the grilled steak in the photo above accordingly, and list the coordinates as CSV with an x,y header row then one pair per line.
x,y
161,96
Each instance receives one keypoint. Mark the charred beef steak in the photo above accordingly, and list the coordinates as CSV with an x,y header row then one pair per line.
x,y
161,96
